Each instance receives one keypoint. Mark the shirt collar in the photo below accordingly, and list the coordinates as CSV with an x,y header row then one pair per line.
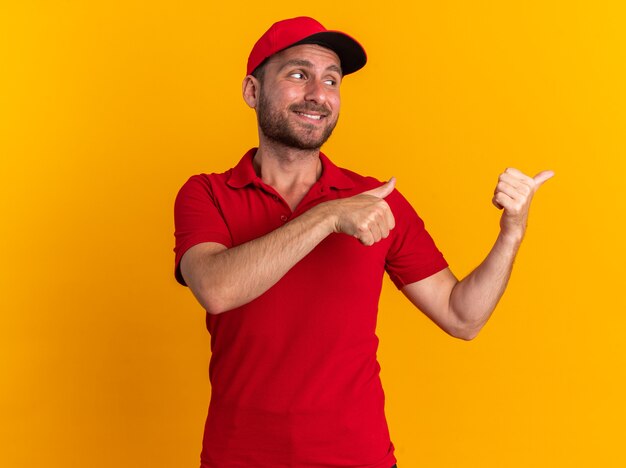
x,y
243,173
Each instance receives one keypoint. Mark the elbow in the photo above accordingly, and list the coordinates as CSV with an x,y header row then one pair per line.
x,y
217,298
466,334
213,307
466,331
466,326
214,304
210,299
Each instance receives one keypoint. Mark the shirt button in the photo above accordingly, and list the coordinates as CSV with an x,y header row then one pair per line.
x,y
274,197
283,218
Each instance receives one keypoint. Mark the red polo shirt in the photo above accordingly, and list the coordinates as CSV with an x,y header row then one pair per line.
x,y
294,376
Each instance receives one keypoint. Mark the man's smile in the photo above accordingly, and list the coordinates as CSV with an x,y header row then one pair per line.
x,y
310,116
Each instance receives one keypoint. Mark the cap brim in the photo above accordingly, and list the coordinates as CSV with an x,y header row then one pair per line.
x,y
350,52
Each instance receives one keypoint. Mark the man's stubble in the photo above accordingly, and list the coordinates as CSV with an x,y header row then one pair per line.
x,y
276,127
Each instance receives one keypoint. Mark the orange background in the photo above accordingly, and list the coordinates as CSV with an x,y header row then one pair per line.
x,y
106,108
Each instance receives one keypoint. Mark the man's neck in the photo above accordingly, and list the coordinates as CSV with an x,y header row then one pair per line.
x,y
291,172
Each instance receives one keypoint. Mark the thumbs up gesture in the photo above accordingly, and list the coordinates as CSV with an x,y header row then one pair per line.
x,y
366,216
513,194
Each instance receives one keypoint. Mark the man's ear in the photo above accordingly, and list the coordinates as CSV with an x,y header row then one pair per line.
x,y
251,88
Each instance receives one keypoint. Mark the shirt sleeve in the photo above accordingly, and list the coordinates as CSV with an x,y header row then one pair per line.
x,y
413,254
197,219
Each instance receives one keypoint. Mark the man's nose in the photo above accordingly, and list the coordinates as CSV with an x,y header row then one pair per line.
x,y
315,91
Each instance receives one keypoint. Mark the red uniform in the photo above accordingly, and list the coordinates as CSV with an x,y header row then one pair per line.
x,y
294,375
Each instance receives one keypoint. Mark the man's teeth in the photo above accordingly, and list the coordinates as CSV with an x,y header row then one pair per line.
x,y
315,117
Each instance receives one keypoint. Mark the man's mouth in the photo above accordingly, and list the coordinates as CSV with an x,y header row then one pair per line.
x,y
311,112
310,116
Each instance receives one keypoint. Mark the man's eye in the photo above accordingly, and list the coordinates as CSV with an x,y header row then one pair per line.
x,y
330,82
299,76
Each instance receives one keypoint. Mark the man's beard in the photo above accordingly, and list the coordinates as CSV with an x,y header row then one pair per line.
x,y
276,127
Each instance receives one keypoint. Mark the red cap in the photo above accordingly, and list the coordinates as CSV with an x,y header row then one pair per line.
x,y
305,30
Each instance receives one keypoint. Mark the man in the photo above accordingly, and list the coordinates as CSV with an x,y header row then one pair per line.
x,y
286,252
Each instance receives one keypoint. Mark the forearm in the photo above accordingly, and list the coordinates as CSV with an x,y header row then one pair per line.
x,y
223,279
233,277
474,298
462,308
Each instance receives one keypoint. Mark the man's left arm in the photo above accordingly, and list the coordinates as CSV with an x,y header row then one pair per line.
x,y
461,308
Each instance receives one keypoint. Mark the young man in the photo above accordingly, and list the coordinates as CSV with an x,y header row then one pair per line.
x,y
286,252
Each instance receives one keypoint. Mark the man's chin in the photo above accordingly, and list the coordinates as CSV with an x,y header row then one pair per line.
x,y
300,143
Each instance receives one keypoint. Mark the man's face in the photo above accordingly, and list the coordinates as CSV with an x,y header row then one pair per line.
x,y
298,104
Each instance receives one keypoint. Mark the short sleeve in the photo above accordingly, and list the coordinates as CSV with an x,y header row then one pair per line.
x,y
413,254
197,219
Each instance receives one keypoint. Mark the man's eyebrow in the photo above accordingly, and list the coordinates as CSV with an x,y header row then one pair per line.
x,y
335,68
296,63
308,64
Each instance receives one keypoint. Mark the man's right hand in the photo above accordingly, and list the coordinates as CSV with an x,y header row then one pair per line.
x,y
366,216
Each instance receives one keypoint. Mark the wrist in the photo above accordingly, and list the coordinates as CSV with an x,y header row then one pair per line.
x,y
325,216
511,238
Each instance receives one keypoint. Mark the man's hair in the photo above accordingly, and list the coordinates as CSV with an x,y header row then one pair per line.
x,y
259,72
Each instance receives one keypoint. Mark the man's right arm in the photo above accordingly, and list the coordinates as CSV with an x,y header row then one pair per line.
x,y
222,279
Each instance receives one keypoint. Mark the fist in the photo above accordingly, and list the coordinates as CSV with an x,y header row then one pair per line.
x,y
366,216
513,194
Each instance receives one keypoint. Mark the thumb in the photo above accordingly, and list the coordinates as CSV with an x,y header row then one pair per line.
x,y
383,190
542,177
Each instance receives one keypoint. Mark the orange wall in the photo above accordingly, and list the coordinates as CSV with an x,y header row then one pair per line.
x,y
107,107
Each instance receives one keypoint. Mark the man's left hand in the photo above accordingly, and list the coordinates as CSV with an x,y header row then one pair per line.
x,y
513,194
